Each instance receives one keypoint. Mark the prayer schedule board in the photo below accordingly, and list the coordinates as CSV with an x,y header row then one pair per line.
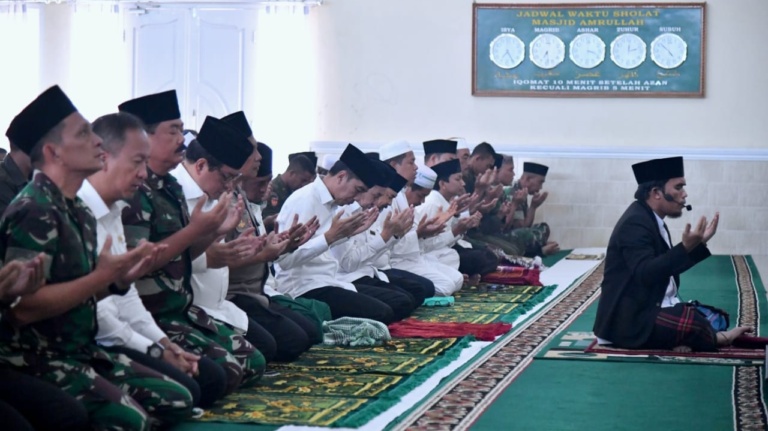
x,y
588,50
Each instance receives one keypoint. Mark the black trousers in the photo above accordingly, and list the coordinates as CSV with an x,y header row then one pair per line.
x,y
476,260
289,338
420,287
368,302
209,386
414,292
43,405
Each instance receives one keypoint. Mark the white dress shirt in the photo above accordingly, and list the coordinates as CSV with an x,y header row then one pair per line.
x,y
270,284
209,285
439,247
408,247
122,320
311,266
670,296
357,256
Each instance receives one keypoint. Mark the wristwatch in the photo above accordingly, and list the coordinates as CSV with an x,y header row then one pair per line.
x,y
155,351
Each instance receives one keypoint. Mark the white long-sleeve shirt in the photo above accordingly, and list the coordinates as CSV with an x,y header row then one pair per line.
x,y
209,285
357,256
311,266
123,320
431,206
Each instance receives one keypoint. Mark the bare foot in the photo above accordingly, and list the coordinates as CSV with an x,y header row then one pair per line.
x,y
725,338
682,349
473,280
549,248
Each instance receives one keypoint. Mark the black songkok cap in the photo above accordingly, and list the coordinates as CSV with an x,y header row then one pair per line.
x,y
308,154
658,169
360,165
239,122
154,108
224,142
498,159
396,182
439,146
535,168
38,118
266,160
446,169
373,155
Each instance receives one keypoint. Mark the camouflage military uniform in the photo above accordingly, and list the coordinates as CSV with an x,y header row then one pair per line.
x,y
156,212
11,182
117,392
534,237
277,197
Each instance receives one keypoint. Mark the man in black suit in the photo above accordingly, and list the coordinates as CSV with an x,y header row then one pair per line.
x,y
639,307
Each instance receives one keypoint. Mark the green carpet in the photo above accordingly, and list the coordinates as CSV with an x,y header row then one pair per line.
x,y
711,283
346,387
645,394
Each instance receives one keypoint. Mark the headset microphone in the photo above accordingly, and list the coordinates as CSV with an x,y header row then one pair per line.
x,y
669,198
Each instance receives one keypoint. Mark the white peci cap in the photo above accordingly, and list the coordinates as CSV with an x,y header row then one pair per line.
x,y
425,177
394,149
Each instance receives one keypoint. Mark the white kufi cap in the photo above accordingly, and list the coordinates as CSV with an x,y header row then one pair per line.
x,y
425,177
328,161
393,149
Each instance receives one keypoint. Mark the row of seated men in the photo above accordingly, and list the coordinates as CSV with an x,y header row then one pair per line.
x,y
138,279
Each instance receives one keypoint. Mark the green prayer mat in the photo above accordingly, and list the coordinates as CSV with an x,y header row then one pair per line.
x,y
248,406
337,386
420,346
325,383
354,362
711,282
448,315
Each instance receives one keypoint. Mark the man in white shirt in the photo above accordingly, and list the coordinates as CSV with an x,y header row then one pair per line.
x,y
444,248
311,271
125,325
406,256
357,256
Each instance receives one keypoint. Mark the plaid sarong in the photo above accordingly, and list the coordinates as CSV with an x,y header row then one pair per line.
x,y
682,325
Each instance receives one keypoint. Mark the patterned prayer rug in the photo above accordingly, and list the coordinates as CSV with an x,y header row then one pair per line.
x,y
468,393
337,386
419,346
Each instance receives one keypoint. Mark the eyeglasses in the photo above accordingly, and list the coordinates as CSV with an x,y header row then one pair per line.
x,y
227,178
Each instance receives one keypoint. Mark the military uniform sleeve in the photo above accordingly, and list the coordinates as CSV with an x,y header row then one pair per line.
x,y
28,229
137,219
7,193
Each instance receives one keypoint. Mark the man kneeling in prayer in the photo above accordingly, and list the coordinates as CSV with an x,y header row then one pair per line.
x,y
639,307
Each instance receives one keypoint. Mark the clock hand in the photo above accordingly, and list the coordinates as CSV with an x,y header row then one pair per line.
x,y
507,54
665,49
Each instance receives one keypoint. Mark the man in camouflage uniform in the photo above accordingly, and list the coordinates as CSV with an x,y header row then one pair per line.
x,y
50,334
15,170
300,172
159,213
534,236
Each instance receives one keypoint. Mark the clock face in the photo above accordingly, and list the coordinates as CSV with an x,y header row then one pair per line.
x,y
669,50
587,50
628,51
507,51
547,51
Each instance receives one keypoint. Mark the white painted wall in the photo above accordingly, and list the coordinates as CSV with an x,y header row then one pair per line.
x,y
401,69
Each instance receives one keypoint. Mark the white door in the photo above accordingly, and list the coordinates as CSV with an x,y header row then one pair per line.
x,y
206,55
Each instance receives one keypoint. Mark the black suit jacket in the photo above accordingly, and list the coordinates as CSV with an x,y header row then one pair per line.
x,y
638,265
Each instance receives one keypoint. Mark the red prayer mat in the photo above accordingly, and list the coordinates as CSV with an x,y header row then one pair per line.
x,y
513,275
732,352
413,328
